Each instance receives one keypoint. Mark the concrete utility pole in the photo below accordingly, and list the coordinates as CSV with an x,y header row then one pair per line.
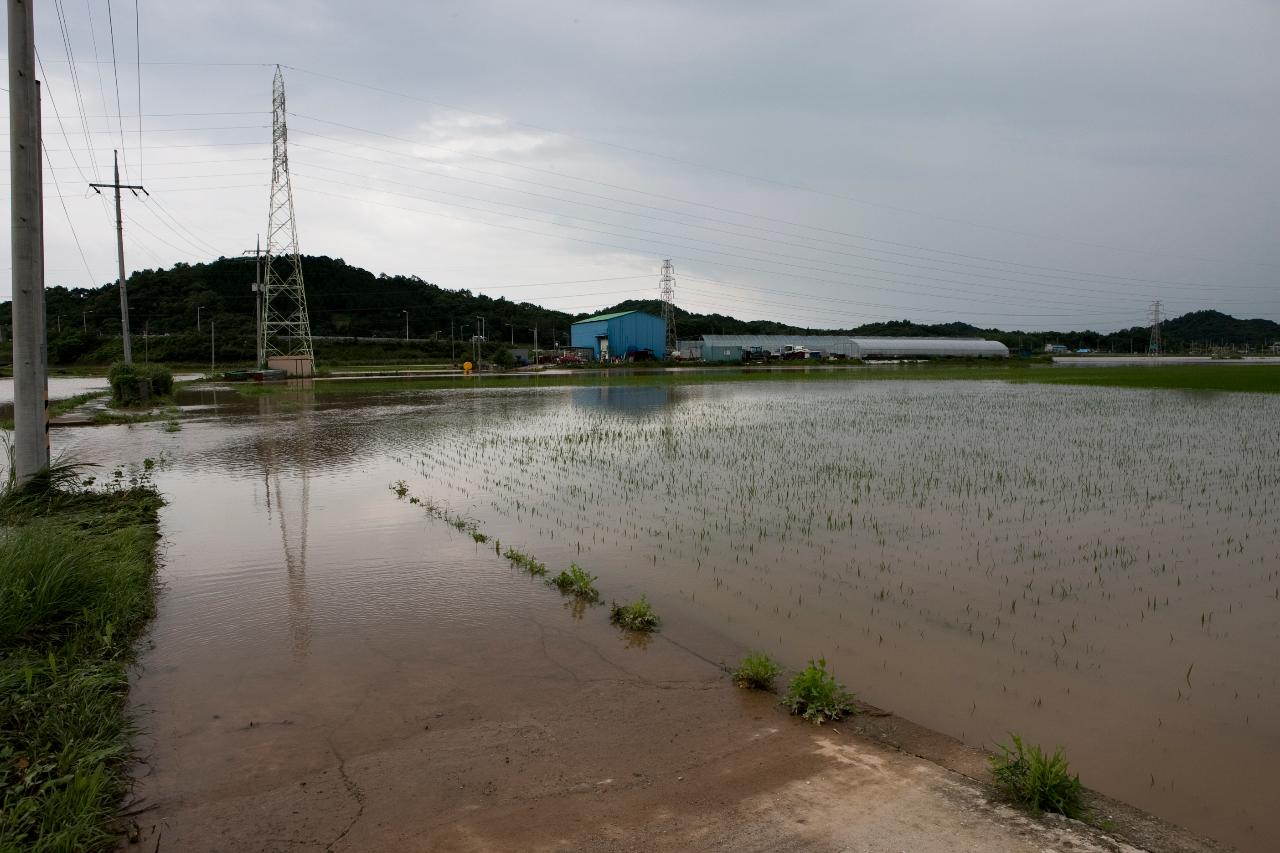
x,y
30,374
406,325
259,290
124,294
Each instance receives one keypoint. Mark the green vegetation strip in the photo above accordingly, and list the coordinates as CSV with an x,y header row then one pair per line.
x,y
77,585
1255,378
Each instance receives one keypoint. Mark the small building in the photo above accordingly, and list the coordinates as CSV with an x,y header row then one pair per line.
x,y
625,334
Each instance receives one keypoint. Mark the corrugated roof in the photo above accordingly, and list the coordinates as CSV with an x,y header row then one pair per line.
x,y
600,317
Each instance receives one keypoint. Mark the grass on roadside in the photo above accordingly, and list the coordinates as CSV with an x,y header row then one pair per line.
x,y
1037,782
756,672
576,582
816,695
77,585
636,616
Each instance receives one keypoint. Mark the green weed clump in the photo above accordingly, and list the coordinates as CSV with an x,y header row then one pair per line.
x,y
76,587
637,616
400,487
816,695
576,582
479,537
756,672
139,384
526,562
1026,776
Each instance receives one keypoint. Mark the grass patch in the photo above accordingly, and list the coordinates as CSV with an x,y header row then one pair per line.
x,y
816,695
756,672
1037,782
576,582
139,384
636,616
526,562
77,585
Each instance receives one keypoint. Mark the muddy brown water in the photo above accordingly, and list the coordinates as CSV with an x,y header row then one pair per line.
x,y
1092,568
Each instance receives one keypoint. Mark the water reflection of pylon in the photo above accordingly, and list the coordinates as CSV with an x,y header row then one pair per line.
x,y
293,533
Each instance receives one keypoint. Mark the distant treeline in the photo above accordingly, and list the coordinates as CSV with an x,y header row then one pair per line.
x,y
353,303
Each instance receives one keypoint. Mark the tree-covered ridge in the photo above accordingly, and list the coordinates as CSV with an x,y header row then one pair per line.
x,y
350,302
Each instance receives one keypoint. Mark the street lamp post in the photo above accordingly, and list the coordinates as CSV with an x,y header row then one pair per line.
x,y
535,345
406,325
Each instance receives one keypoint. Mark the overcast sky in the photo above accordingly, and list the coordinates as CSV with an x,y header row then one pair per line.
x,y
1017,164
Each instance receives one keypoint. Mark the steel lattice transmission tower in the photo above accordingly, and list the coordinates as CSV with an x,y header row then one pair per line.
x,y
286,328
668,295
1153,348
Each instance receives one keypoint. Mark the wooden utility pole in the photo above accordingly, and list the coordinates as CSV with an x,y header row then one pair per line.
x,y
124,295
30,374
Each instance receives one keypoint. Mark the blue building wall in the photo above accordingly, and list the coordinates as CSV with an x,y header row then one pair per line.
x,y
627,333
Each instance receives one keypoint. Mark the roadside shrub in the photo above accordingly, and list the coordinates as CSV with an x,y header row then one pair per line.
x,y
138,384
576,582
1026,776
637,616
756,672
816,695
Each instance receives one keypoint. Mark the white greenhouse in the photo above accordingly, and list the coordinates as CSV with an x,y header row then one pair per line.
x,y
733,347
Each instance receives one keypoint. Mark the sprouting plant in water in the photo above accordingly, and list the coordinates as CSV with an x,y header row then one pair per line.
x,y
526,562
816,695
400,487
1033,780
756,672
479,537
637,616
172,425
576,582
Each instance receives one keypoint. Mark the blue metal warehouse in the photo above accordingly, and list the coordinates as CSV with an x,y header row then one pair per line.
x,y
621,335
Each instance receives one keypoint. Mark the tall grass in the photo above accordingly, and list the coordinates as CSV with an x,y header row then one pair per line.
x,y
1035,780
76,588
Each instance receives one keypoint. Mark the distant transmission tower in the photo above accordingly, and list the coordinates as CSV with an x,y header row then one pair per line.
x,y
1153,348
669,304
286,329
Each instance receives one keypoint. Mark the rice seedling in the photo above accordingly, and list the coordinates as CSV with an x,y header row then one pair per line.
x,y
816,695
479,537
636,616
757,671
400,487
1038,782
576,582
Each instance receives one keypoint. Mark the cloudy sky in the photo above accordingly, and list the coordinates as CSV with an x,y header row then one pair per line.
x,y
1012,163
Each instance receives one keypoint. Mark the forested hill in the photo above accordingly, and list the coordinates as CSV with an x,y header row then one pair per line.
x,y
349,302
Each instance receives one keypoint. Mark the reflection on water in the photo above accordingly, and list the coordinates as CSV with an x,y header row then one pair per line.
x,y
1089,567
638,400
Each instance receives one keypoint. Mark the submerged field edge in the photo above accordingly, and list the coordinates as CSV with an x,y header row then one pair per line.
x,y
79,571
1249,378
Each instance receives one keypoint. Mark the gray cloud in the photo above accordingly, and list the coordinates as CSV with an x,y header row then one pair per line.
x,y
957,153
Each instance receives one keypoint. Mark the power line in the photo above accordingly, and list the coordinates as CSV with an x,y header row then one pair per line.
x,y
71,225
675,199
137,43
115,72
775,182
543,234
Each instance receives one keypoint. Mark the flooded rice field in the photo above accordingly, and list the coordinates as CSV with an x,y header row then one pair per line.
x,y
1095,568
